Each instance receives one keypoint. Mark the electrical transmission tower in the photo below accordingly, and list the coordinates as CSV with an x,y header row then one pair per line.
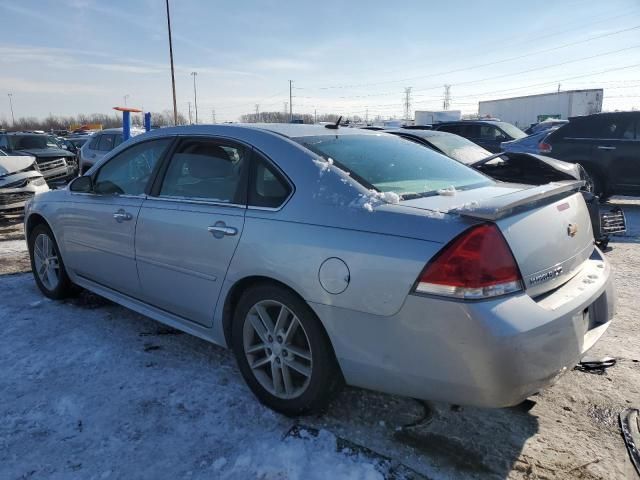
x,y
257,112
213,116
407,103
447,97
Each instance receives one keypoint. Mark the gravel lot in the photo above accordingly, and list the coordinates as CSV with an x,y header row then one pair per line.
x,y
89,389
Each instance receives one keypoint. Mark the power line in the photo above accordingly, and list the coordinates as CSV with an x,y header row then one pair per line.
x,y
496,62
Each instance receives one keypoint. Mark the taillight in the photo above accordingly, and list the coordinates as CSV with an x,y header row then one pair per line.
x,y
477,264
544,147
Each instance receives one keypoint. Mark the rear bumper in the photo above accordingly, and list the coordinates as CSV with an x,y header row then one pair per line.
x,y
491,353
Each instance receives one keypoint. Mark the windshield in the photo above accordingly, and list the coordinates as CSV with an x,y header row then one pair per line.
x,y
458,148
391,164
513,131
26,142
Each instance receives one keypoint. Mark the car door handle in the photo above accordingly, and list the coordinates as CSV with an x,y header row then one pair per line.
x,y
219,230
605,147
121,216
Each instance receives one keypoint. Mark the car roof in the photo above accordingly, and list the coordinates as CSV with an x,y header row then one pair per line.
x,y
293,130
465,122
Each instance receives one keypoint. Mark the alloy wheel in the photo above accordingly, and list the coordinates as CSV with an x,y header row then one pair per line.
x,y
46,261
277,349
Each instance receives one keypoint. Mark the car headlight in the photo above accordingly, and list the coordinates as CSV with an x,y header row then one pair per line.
x,y
39,181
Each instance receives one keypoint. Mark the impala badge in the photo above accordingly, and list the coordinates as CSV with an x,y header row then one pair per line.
x,y
572,229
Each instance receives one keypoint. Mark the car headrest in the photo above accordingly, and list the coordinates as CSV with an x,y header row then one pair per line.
x,y
206,166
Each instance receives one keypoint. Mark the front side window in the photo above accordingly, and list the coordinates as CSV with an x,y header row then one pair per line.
x,y
94,142
207,170
106,143
128,172
391,164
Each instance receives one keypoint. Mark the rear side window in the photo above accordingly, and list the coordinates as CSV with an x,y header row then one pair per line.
x,y
207,170
267,188
612,127
391,164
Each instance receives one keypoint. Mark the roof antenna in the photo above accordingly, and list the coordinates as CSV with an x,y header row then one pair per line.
x,y
334,126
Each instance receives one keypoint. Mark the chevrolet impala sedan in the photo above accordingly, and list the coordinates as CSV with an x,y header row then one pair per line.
x,y
322,255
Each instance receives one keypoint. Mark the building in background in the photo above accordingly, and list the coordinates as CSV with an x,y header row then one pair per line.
x,y
524,111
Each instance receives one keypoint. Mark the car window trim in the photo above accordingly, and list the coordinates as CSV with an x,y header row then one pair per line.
x,y
256,156
156,185
151,177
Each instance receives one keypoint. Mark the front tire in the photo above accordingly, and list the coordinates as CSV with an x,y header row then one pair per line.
x,y
283,351
47,265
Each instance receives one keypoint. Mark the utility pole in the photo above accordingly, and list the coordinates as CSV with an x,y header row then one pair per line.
x,y
290,100
559,87
213,115
447,97
407,103
13,119
366,117
286,108
190,122
257,113
315,115
173,77
195,96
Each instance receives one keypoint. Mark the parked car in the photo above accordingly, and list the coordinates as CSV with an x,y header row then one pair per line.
x,y
528,144
523,167
99,144
321,254
545,125
56,164
19,181
74,144
489,134
607,145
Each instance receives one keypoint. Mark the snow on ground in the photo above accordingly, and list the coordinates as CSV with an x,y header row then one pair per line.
x,y
12,247
89,389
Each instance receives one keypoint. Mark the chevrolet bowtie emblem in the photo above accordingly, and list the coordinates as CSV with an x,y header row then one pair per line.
x,y
572,229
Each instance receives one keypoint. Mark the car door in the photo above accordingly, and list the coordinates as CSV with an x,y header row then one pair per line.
x,y
190,225
624,153
99,226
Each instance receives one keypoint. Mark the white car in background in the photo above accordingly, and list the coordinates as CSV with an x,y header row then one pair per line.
x,y
99,144
20,180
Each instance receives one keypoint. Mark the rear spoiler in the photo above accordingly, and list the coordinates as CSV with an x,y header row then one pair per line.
x,y
501,206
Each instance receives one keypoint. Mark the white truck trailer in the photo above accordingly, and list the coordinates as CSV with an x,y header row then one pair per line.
x,y
523,111
424,117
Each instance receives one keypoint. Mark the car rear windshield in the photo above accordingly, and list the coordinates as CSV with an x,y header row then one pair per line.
x,y
391,164
458,148
511,130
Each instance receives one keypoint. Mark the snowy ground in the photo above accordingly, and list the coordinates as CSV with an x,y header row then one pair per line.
x,y
89,389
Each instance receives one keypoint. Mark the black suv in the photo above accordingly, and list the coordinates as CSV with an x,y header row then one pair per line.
x,y
607,145
56,164
489,134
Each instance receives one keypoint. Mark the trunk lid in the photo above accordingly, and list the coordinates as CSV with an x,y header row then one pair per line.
x,y
547,227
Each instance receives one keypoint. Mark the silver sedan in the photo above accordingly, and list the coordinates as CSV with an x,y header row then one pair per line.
x,y
326,255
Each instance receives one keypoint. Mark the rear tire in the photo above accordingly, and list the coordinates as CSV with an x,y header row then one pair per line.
x,y
47,265
283,351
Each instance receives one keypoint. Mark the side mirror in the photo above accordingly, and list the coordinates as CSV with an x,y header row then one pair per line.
x,y
82,185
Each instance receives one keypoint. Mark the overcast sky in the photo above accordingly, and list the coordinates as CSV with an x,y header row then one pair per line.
x,y
346,56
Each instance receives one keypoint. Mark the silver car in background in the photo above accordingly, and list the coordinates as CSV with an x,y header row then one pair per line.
x,y
324,255
99,144
20,180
